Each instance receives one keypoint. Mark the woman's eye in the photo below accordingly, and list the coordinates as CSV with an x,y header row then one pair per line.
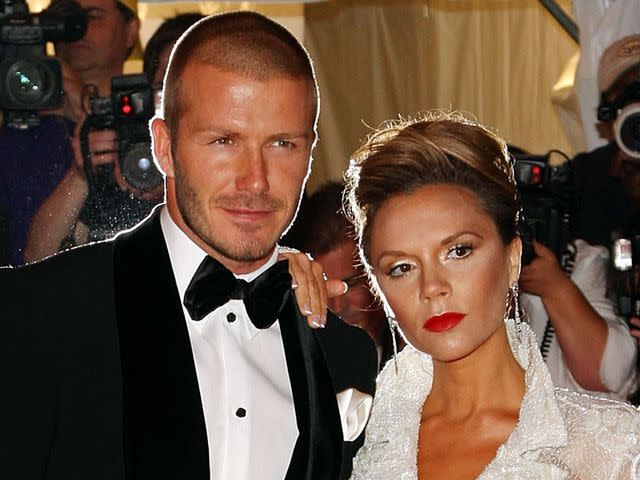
x,y
459,251
399,270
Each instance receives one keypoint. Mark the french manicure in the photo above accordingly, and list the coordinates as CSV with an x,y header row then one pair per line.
x,y
318,321
306,309
294,284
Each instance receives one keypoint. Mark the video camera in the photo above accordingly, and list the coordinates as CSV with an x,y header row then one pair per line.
x,y
547,197
127,111
625,256
625,110
29,80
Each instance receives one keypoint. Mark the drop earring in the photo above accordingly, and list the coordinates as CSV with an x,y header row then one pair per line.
x,y
393,326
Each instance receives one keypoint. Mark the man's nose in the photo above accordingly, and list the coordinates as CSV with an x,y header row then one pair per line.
x,y
252,172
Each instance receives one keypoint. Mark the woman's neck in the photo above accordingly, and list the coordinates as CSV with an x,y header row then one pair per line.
x,y
489,378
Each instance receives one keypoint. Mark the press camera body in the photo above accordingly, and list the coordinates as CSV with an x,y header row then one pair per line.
x,y
31,81
625,111
127,111
547,197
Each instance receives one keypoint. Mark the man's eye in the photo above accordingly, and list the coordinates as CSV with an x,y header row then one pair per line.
x,y
283,143
222,141
459,251
400,270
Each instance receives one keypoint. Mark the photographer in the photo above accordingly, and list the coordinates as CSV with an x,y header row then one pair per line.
x,y
82,209
609,176
586,346
564,281
607,179
34,160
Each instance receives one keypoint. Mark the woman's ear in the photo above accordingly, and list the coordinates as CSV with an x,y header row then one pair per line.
x,y
515,259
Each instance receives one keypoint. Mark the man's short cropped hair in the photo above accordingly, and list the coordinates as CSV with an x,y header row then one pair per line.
x,y
245,43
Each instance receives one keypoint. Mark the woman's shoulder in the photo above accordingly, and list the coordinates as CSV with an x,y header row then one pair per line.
x,y
611,413
603,435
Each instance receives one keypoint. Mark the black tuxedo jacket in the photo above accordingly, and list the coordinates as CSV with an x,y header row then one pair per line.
x,y
98,380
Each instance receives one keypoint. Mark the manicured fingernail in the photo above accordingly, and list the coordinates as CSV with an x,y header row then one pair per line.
x,y
294,284
345,287
306,309
318,321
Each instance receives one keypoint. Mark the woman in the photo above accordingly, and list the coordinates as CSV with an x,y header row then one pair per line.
x,y
435,207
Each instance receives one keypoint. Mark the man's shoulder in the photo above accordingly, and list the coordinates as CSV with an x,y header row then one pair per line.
x,y
83,270
78,259
350,354
598,157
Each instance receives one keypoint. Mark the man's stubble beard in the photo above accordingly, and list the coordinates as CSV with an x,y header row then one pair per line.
x,y
246,250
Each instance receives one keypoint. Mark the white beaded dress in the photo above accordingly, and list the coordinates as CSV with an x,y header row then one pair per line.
x,y
559,434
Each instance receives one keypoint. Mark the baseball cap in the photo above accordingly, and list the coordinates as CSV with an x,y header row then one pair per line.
x,y
619,57
131,5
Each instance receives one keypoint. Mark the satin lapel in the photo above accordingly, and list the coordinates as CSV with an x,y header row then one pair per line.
x,y
318,450
165,434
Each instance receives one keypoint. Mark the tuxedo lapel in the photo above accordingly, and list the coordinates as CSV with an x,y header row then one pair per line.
x,y
165,433
318,450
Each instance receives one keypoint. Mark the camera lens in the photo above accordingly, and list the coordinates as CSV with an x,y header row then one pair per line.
x,y
627,130
138,168
28,83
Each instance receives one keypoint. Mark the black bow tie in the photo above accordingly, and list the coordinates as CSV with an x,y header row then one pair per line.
x,y
213,285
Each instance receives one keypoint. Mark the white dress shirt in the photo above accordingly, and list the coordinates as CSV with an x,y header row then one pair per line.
x,y
242,374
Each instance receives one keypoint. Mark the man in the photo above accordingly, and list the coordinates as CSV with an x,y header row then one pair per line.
x,y
608,178
325,232
156,362
85,208
112,34
584,341
39,159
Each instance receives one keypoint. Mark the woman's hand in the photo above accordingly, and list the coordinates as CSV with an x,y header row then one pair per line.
x,y
311,287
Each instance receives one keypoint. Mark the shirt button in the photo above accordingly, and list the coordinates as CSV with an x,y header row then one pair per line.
x,y
241,412
231,317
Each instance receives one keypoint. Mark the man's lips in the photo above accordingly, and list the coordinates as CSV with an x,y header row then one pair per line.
x,y
444,321
248,215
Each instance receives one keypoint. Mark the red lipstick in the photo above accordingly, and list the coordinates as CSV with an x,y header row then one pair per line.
x,y
443,322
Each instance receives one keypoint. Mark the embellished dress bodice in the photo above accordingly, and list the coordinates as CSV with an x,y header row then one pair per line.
x,y
559,434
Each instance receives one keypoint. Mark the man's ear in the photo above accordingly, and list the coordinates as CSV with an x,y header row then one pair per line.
x,y
162,146
515,259
133,31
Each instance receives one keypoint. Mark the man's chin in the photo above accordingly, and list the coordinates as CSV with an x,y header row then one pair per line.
x,y
239,250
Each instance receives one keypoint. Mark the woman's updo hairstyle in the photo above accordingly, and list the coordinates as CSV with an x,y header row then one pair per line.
x,y
436,148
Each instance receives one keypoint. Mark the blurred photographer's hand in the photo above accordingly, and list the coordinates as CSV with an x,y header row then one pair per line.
x,y
543,275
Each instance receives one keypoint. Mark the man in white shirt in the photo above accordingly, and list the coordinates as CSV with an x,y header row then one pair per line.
x,y
182,352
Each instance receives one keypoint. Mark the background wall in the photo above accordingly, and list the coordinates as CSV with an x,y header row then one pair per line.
x,y
497,59
375,59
